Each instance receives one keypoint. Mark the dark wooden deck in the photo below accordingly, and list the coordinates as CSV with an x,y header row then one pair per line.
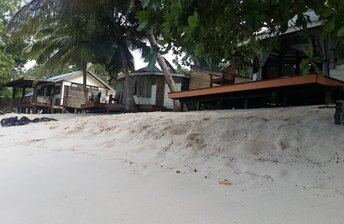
x,y
102,106
149,108
30,107
105,107
306,86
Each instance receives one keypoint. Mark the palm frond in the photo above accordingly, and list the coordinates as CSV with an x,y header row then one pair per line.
x,y
170,67
142,47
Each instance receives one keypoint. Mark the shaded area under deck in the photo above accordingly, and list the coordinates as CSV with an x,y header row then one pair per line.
x,y
286,91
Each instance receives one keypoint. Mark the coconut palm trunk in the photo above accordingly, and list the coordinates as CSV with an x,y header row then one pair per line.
x,y
130,104
168,76
84,83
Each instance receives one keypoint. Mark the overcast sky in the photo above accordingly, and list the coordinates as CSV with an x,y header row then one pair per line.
x,y
139,62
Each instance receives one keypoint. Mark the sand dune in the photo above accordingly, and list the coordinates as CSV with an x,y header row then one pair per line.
x,y
281,166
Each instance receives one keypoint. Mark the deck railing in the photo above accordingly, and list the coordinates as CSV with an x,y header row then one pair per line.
x,y
44,99
29,99
22,100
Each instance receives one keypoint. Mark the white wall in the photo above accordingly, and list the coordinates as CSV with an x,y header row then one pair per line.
x,y
168,103
89,81
142,100
63,89
153,99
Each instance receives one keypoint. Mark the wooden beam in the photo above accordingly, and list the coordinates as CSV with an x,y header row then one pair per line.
x,y
13,96
23,92
298,62
326,81
262,84
34,99
96,106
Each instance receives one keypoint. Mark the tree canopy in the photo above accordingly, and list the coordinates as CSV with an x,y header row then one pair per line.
x,y
221,31
206,30
81,32
11,60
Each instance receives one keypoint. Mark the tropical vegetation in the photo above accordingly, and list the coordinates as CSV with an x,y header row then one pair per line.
x,y
103,33
11,60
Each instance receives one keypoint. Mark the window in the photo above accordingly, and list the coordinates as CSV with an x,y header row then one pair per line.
x,y
143,87
57,90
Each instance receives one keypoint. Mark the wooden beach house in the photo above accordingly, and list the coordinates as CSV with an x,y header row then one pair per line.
x,y
62,92
276,78
150,88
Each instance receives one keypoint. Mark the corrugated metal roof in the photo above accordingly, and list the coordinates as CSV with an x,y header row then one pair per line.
x,y
63,76
155,69
313,17
149,69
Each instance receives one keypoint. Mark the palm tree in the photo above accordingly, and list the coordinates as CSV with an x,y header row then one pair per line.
x,y
149,11
78,43
168,76
55,42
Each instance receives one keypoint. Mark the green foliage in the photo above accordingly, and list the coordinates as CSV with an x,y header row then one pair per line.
x,y
80,32
11,60
193,20
340,32
77,33
311,60
41,71
222,31
100,71
102,32
179,68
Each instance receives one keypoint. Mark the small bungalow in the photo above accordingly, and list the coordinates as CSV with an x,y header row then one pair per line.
x,y
150,88
57,93
276,78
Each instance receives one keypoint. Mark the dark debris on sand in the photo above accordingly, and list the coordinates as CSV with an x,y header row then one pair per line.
x,y
14,121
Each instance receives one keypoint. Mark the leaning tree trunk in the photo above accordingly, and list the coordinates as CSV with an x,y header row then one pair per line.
x,y
130,104
84,82
168,76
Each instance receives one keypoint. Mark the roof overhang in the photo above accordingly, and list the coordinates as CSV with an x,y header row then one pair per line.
x,y
283,82
101,81
122,76
26,82
292,29
64,77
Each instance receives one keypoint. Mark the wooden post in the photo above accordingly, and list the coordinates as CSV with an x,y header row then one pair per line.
x,y
23,92
280,68
21,110
328,97
298,61
34,99
339,114
285,98
246,103
13,96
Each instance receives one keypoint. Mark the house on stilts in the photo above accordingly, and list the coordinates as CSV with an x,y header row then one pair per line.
x,y
62,92
150,88
276,78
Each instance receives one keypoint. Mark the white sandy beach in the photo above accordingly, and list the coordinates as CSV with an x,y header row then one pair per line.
x,y
284,165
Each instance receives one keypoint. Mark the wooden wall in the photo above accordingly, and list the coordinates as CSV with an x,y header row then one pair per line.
x,y
160,89
200,79
73,97
160,83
